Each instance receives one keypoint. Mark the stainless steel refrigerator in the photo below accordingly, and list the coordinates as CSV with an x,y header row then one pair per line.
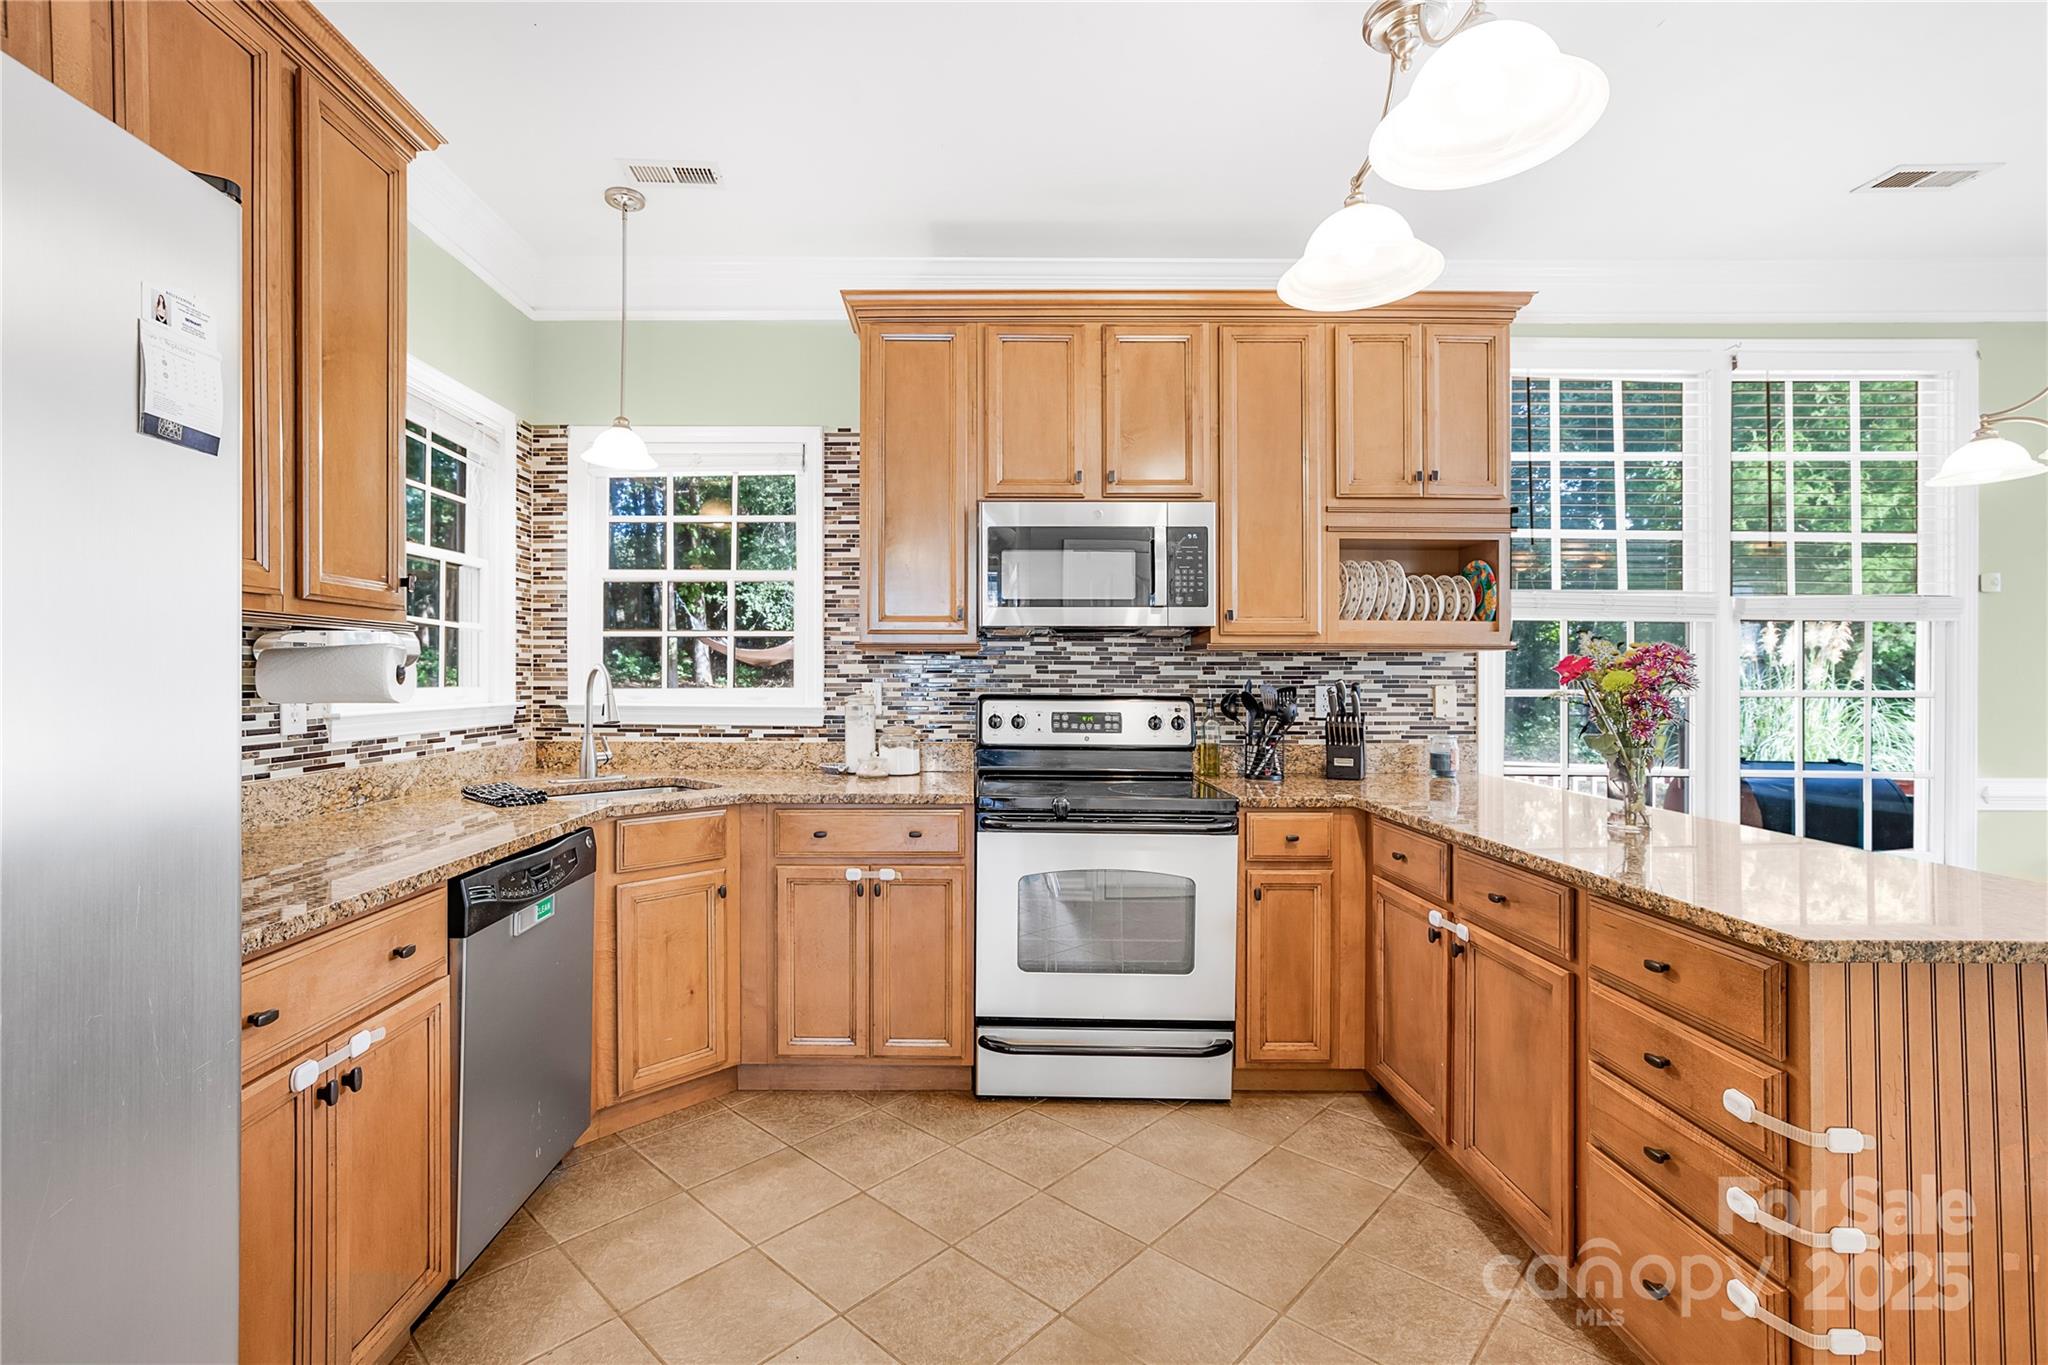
x,y
119,808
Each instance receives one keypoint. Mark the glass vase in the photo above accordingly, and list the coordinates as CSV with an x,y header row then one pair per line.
x,y
1628,785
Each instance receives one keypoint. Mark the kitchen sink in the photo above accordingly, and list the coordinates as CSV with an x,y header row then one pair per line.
x,y
624,785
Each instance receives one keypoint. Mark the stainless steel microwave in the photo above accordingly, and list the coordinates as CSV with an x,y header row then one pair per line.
x,y
1098,565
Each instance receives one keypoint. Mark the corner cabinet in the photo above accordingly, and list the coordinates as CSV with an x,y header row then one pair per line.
x,y
272,98
1325,440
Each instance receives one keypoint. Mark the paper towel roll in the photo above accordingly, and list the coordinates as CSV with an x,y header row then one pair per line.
x,y
354,672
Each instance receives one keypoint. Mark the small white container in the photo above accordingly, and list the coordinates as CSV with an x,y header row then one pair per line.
x,y
899,752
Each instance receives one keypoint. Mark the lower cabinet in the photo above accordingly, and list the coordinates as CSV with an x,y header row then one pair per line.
x,y
346,1201
1286,1010
872,961
1411,990
677,979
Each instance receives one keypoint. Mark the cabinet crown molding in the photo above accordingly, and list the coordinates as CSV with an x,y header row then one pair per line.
x,y
1159,305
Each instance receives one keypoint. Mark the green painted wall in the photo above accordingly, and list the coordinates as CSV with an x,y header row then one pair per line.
x,y
805,373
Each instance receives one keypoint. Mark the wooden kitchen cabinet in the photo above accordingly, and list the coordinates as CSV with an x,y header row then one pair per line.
x,y
346,1205
918,408
919,967
1288,986
70,43
1039,387
1465,406
1158,432
1272,431
1411,990
1377,387
821,962
677,979
1513,1059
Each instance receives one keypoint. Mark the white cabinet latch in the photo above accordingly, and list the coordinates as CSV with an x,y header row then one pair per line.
x,y
1844,1240
308,1071
1841,1141
1836,1341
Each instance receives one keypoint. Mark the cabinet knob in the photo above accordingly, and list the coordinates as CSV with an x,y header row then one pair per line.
x,y
860,888
1077,476
1230,613
262,1019
917,834
1433,475
1110,476
959,613
329,1093
1418,476
817,834
405,950
1258,893
1651,964
721,890
1435,934
1657,1154
1398,856
353,1078
1661,1063
1294,838
878,889
1458,948
1496,898
1656,1291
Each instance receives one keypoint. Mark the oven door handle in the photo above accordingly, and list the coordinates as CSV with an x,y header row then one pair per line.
x,y
1009,1049
1039,824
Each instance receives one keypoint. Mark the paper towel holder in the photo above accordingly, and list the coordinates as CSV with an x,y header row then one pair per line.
x,y
406,642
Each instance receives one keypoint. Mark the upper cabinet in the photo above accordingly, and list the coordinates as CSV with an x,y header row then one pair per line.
x,y
264,93
1328,442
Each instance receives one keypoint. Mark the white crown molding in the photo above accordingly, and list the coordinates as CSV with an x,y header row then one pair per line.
x,y
2012,793
672,288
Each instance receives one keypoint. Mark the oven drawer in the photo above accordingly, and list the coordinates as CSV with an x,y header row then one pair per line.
x,y
1114,1063
1289,836
877,832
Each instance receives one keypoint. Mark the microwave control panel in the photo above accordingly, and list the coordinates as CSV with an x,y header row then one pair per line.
x,y
1187,566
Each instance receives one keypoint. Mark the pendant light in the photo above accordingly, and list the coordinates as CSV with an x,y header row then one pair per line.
x,y
1499,98
1989,457
618,446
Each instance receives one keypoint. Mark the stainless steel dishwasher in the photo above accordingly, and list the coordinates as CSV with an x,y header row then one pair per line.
x,y
519,958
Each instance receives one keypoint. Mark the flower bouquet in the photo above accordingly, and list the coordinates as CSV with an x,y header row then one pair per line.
x,y
1632,699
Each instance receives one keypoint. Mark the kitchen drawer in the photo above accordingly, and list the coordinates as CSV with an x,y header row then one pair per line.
x,y
879,832
1684,1068
334,978
648,841
1416,861
1653,1248
1289,836
1683,1164
1519,904
1727,990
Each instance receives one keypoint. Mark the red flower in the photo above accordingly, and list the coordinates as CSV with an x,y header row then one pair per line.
x,y
1570,668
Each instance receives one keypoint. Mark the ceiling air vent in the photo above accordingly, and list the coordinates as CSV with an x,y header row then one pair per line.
x,y
1927,177
652,171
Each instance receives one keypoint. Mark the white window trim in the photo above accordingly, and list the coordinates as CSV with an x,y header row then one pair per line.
x,y
1715,614
725,706
493,703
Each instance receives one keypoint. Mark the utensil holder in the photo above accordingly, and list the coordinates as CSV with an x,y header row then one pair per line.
x,y
1260,759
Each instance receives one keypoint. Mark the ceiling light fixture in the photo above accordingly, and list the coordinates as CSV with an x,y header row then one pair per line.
x,y
618,446
1499,98
1989,457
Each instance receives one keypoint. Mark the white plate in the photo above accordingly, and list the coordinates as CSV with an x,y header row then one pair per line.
x,y
1447,593
1418,599
1395,607
1368,582
1468,605
1347,589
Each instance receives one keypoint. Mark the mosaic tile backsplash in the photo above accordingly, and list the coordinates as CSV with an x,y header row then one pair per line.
x,y
934,693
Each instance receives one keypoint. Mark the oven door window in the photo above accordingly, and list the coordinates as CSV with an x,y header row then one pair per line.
x,y
1106,920
1070,566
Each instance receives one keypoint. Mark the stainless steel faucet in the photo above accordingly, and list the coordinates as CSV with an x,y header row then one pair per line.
x,y
595,750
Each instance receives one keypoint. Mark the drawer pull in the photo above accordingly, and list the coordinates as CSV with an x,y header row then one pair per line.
x,y
1843,1240
917,834
405,950
1657,1291
1651,964
1657,1154
1496,898
1294,838
353,1078
1842,1141
817,834
1661,1063
1397,855
1836,1341
262,1019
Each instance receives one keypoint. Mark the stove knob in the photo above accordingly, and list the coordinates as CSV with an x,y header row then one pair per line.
x,y
1017,721
1180,722
1154,723
995,722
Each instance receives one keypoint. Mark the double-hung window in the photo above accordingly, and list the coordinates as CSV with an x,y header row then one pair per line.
x,y
1769,510
459,571
698,586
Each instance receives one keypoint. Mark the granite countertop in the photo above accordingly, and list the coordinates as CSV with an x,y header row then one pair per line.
x,y
308,875
1799,898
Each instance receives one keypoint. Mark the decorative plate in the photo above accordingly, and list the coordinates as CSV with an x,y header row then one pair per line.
x,y
1347,590
1485,590
1466,604
1368,588
1396,606
1418,598
1447,589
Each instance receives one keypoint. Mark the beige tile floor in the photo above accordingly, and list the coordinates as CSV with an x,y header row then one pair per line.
x,y
935,1228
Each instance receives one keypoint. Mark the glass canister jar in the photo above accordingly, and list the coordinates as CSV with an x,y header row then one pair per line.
x,y
897,747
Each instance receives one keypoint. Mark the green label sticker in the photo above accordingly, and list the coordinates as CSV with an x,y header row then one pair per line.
x,y
543,908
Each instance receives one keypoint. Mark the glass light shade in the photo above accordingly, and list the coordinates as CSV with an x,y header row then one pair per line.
x,y
618,446
1361,256
1990,458
1493,101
